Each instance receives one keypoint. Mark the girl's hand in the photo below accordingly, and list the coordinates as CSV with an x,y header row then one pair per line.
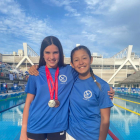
x,y
111,93
23,135
33,70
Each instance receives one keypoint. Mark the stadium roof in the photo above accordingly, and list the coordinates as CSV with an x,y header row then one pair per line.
x,y
134,78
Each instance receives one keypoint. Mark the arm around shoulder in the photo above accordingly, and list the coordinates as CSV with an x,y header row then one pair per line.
x,y
33,70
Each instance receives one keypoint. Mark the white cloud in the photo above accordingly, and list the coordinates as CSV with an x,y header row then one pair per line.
x,y
100,25
10,7
27,28
67,4
92,2
105,24
101,7
60,2
89,36
15,22
72,12
123,4
98,7
114,23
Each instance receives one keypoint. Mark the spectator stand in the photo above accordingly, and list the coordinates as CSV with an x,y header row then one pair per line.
x,y
132,92
12,87
11,76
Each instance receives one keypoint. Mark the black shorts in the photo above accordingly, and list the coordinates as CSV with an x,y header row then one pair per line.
x,y
49,136
37,136
57,136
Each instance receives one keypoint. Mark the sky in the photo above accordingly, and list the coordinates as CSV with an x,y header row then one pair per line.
x,y
106,27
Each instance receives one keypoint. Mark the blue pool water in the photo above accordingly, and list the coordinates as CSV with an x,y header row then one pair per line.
x,y
124,124
12,101
11,120
10,123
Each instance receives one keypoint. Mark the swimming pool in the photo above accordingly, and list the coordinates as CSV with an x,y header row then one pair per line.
x,y
11,119
125,118
10,123
11,101
123,123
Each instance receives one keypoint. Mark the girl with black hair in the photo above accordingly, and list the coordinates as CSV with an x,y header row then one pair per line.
x,y
89,103
47,102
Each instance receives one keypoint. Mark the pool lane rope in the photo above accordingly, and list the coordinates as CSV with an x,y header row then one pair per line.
x,y
11,107
12,97
112,135
127,109
127,100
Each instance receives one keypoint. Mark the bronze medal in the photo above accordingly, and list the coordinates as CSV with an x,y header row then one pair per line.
x,y
57,103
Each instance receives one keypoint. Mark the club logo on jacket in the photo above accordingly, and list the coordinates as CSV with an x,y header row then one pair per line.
x,y
87,94
63,78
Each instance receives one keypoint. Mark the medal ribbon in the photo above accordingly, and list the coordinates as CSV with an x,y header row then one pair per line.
x,y
54,84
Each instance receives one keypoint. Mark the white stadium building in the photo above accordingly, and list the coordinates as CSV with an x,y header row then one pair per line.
x,y
113,70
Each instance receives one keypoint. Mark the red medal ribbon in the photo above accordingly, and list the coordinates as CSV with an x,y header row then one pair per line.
x,y
54,84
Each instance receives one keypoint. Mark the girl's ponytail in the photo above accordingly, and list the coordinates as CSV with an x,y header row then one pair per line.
x,y
92,75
